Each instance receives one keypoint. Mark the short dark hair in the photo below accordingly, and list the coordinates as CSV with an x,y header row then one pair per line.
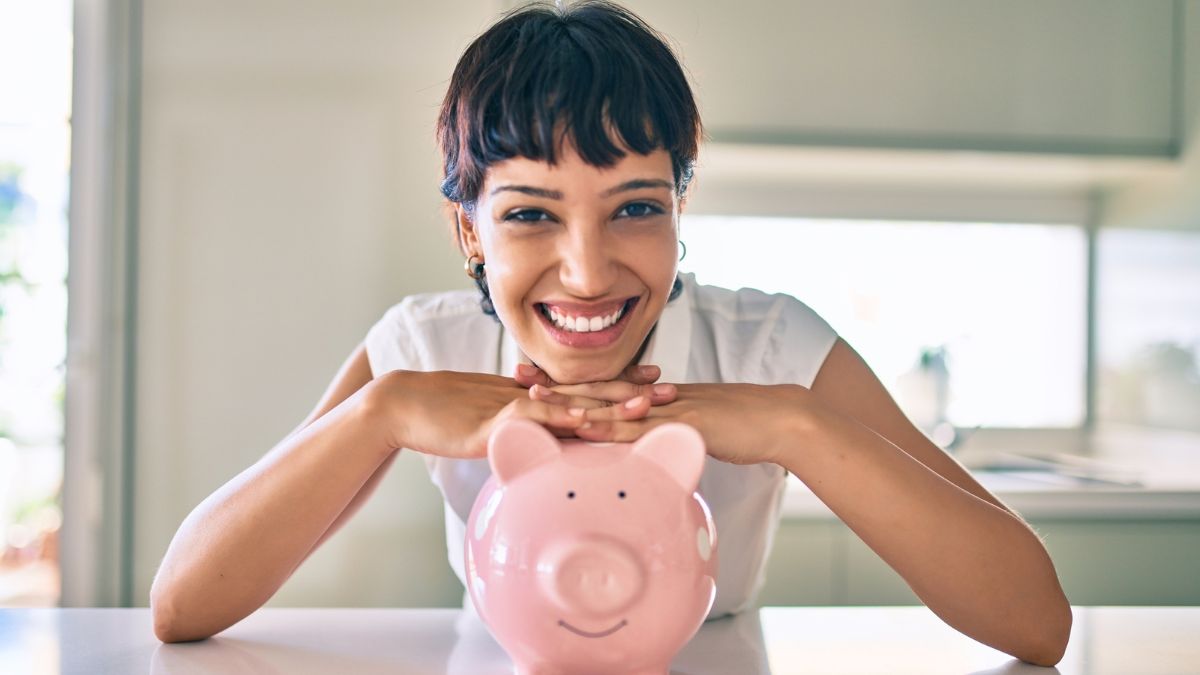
x,y
593,66
588,65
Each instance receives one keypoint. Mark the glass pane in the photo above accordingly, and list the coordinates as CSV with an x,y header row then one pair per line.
x,y
971,324
1148,328
35,86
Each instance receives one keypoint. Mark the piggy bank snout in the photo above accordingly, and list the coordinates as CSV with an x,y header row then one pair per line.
x,y
594,576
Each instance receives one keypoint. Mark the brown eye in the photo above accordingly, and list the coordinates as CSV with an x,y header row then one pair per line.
x,y
650,209
517,216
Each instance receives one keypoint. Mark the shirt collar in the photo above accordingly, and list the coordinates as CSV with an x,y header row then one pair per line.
x,y
669,346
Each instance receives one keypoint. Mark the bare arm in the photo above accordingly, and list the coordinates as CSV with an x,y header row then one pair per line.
x,y
235,549
969,558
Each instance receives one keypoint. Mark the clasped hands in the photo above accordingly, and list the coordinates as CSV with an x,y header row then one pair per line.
x,y
740,423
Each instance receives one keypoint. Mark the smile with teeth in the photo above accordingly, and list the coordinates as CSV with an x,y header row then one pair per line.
x,y
582,324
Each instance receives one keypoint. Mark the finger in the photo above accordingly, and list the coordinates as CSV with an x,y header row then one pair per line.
x,y
634,408
528,375
548,414
641,374
539,393
620,390
619,431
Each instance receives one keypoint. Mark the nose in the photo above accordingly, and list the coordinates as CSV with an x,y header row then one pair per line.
x,y
595,576
587,268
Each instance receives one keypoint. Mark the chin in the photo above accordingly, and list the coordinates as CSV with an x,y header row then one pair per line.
x,y
581,373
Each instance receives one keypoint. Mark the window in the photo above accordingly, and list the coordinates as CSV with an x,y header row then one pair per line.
x,y
1148,319
966,324
35,84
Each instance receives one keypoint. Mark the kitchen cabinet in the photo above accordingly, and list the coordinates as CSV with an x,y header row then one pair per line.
x,y
1126,562
1088,77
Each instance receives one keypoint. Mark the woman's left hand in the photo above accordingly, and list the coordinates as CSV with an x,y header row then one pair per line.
x,y
740,423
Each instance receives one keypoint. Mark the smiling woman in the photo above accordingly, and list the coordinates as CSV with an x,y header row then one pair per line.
x,y
568,136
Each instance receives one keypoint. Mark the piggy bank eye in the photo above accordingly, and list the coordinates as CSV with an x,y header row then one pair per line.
x,y
621,494
571,494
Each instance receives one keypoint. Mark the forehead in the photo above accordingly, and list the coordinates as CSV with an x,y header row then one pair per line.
x,y
572,171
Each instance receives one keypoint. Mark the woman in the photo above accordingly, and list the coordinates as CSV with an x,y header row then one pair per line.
x,y
568,138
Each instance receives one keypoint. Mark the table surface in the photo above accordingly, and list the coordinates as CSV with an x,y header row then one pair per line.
x,y
778,640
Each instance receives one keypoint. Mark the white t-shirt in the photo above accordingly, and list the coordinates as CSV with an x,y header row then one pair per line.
x,y
706,334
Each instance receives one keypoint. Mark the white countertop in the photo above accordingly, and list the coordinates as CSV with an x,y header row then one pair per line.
x,y
777,640
1119,473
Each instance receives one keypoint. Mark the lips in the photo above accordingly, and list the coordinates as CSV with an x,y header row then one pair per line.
x,y
590,321
588,310
588,339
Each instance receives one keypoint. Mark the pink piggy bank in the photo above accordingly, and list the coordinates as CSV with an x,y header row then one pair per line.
x,y
586,557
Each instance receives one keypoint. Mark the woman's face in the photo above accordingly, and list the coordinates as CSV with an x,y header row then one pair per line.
x,y
569,248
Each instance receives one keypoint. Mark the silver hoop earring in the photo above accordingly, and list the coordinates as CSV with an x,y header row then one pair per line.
x,y
684,255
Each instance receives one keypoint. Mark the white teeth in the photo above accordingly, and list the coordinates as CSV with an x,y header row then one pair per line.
x,y
580,324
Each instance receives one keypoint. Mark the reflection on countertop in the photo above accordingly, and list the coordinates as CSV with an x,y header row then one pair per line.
x,y
776,640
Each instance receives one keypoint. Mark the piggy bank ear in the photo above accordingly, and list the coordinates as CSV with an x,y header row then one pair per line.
x,y
676,447
517,445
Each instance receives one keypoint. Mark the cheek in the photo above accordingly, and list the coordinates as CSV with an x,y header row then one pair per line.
x,y
656,262
510,275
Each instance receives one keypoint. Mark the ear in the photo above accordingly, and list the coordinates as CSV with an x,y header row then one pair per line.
x,y
517,445
468,236
678,448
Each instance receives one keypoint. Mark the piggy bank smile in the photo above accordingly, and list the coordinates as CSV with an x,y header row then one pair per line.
x,y
584,633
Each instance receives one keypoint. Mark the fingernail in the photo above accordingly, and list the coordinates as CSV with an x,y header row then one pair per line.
x,y
585,425
634,402
662,389
526,369
575,412
647,370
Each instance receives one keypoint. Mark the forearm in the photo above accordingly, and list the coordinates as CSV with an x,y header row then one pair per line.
x,y
237,547
979,568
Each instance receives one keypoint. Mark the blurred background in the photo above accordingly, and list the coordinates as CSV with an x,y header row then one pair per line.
x,y
205,205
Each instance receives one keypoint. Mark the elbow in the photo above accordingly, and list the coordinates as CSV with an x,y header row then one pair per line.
x,y
1050,643
169,622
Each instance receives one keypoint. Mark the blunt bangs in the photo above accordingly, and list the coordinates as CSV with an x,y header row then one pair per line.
x,y
593,71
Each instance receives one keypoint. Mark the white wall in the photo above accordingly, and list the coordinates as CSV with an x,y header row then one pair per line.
x,y
288,196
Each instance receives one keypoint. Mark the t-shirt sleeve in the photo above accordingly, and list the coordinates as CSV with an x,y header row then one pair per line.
x,y
390,342
798,345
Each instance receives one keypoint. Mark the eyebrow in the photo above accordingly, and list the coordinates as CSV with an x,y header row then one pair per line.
x,y
635,184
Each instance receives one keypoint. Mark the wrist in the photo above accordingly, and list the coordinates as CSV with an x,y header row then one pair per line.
x,y
798,428
381,411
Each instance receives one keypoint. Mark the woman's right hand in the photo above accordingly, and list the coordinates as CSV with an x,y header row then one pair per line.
x,y
451,414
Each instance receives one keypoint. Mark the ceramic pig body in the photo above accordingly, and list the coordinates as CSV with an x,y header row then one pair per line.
x,y
592,557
